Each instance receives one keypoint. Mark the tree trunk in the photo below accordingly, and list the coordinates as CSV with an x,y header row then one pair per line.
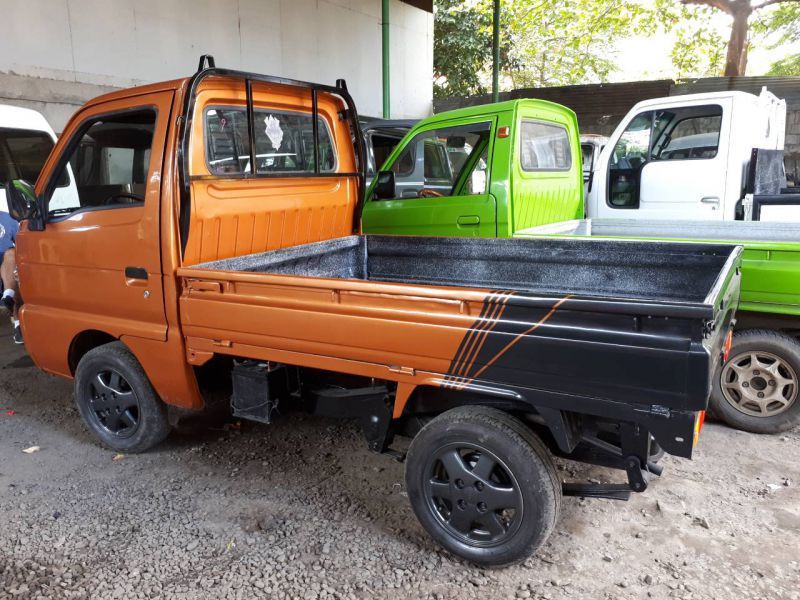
x,y
736,61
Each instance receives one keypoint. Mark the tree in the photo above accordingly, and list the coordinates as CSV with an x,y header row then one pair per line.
x,y
542,42
699,51
461,46
563,42
740,11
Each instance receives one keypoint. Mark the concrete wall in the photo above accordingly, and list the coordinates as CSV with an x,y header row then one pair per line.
x,y
55,54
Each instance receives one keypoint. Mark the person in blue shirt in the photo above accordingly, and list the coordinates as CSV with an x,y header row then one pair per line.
x,y
10,300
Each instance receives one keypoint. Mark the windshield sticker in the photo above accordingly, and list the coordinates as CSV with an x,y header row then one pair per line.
x,y
273,131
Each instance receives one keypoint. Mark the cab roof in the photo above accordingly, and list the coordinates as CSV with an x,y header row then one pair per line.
x,y
17,117
150,88
496,107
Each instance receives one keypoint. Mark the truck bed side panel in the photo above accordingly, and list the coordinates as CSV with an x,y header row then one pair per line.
x,y
771,258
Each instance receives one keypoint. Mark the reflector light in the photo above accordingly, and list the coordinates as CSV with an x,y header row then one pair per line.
x,y
699,421
503,132
727,348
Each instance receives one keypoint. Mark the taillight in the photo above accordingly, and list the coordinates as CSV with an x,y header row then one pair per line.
x,y
726,350
699,421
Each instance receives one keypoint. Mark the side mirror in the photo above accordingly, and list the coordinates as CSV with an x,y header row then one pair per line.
x,y
21,199
385,188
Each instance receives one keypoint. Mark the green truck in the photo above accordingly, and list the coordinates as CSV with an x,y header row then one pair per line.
x,y
481,171
514,169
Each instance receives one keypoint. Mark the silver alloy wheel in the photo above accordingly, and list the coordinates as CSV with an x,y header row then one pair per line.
x,y
759,384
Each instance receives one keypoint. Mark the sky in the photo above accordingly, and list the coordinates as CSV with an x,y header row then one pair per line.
x,y
641,58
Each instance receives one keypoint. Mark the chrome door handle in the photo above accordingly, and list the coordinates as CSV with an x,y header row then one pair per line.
x,y
710,200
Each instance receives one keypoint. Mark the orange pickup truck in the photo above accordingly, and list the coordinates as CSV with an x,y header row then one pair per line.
x,y
214,245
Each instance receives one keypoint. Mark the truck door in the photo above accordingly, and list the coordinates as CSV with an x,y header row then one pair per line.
x,y
441,185
668,163
101,252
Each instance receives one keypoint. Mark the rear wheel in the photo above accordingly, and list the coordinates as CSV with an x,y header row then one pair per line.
x,y
116,401
483,485
757,388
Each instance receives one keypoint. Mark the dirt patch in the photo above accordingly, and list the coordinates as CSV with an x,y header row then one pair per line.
x,y
300,509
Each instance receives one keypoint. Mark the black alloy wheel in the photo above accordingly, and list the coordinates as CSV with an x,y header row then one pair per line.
x,y
116,400
483,485
474,494
113,404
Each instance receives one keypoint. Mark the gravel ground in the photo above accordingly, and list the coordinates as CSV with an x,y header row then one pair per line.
x,y
300,509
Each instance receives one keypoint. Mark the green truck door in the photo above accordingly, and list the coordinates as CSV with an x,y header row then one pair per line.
x,y
441,184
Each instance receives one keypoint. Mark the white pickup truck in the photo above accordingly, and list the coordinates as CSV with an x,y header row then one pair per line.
x,y
26,140
692,157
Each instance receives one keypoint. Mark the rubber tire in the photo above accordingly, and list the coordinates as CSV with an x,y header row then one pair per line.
x,y
522,451
775,342
154,424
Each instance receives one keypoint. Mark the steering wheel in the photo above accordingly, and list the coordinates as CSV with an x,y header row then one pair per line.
x,y
426,193
126,198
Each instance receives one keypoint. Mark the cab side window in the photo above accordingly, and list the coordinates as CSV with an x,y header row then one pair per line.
x,y
448,161
110,162
544,147
684,133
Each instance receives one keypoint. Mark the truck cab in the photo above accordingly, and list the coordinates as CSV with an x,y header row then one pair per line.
x,y
591,147
684,157
480,171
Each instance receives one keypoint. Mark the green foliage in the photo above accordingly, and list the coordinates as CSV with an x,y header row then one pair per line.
x,y
699,49
783,20
542,42
783,25
562,42
787,67
461,46
565,42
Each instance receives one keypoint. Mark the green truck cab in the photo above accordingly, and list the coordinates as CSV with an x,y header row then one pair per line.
x,y
485,171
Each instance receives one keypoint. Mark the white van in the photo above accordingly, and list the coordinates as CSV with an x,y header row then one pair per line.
x,y
26,140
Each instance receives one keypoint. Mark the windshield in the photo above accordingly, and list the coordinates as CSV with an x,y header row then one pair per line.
x,y
23,153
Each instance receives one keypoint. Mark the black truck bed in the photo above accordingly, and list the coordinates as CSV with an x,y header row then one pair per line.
x,y
685,274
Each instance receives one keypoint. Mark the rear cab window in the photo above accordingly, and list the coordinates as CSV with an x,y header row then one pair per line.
x,y
284,142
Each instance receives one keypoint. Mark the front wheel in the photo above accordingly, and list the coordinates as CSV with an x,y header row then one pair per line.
x,y
757,388
483,485
116,401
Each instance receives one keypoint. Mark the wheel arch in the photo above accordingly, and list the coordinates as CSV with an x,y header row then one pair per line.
x,y
428,399
562,426
85,341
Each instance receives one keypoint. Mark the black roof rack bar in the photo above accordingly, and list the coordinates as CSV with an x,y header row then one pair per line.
x,y
315,130
206,62
251,126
